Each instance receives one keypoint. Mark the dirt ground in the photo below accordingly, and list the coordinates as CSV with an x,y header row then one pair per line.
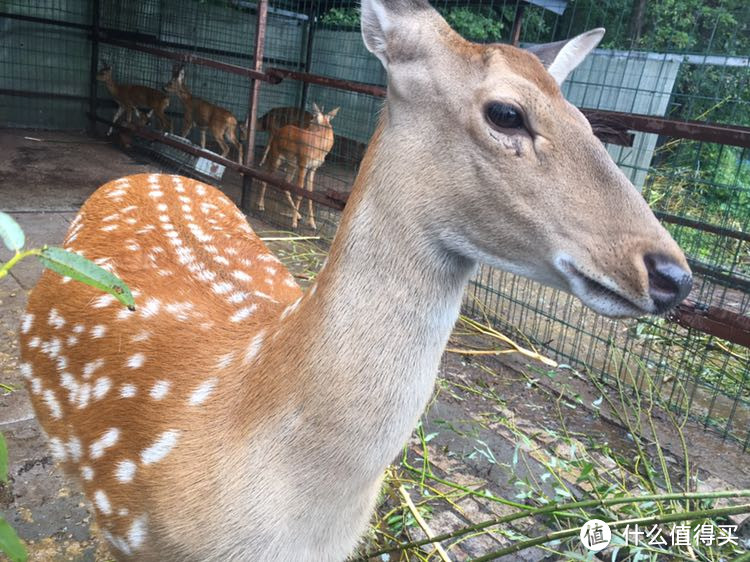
x,y
45,177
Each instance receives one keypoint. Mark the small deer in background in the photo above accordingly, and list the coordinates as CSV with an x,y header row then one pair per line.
x,y
130,97
304,150
206,115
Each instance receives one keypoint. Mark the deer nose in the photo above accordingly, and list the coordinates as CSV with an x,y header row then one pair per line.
x,y
668,282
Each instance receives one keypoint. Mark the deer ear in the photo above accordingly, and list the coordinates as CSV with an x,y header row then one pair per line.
x,y
316,109
333,112
381,17
562,57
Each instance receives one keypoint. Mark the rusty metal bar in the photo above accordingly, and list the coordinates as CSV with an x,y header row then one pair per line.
x,y
715,321
733,135
703,226
251,120
515,34
348,85
274,181
192,59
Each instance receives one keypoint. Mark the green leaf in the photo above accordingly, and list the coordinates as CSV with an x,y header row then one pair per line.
x,y
11,233
3,460
84,270
10,544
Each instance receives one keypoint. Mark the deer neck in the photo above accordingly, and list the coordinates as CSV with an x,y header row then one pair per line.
x,y
374,326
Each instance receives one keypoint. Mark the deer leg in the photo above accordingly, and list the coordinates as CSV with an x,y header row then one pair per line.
x,y
232,134
119,112
223,145
301,172
261,200
288,177
311,215
203,137
186,126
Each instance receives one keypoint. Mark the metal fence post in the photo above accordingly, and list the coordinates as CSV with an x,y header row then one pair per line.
x,y
94,65
252,110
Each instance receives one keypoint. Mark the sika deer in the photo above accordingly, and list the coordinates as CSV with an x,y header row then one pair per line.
x,y
304,151
130,97
206,115
232,418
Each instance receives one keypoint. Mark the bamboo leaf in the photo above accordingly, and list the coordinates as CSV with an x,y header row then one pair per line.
x,y
11,233
10,544
3,459
84,270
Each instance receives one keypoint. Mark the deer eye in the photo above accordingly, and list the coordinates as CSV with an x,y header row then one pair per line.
x,y
503,116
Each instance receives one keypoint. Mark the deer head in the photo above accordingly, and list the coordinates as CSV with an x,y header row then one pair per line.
x,y
517,178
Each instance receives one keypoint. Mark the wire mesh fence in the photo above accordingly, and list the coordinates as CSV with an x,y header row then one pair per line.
x,y
686,61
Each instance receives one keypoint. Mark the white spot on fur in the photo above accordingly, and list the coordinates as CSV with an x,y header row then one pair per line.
x,y
103,301
128,390
241,275
34,342
254,347
107,440
75,449
87,473
102,502
151,308
55,320
238,297
59,453
160,390
90,367
201,394
136,361
225,360
71,341
243,313
161,447
26,370
98,331
143,335
83,396
26,323
137,532
109,227
36,385
54,406
125,471
222,287
80,328
101,387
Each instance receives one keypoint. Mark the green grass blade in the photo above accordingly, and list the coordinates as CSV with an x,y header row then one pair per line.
x,y
83,270
10,544
11,233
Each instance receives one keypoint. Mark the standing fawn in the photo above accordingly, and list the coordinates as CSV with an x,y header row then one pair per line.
x,y
231,417
130,97
304,151
221,122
